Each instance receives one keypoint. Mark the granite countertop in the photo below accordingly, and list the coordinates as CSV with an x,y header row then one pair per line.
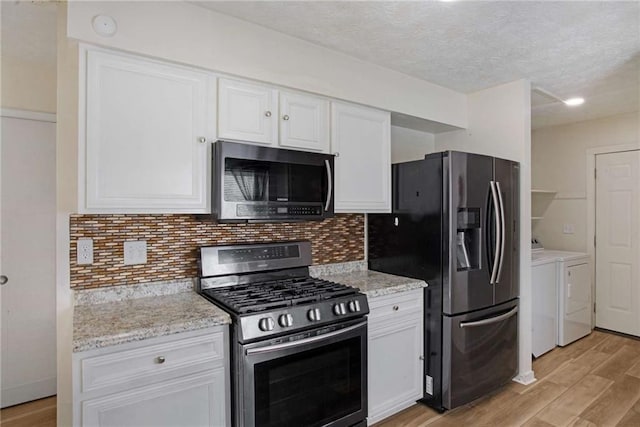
x,y
121,321
118,315
375,284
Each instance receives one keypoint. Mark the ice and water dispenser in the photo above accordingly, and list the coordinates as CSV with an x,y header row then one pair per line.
x,y
468,239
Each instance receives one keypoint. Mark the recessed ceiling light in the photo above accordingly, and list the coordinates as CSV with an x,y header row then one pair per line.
x,y
572,102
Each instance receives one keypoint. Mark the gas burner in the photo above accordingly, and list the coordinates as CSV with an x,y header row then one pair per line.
x,y
267,290
261,296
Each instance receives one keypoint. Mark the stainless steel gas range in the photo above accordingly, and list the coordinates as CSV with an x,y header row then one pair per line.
x,y
298,344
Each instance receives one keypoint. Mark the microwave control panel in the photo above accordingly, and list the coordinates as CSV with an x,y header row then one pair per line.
x,y
274,211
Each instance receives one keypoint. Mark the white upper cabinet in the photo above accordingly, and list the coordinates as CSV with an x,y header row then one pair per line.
x,y
247,112
304,122
148,129
361,141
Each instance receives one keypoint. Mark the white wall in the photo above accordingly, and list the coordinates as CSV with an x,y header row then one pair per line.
x,y
66,203
410,144
558,161
189,34
28,85
500,125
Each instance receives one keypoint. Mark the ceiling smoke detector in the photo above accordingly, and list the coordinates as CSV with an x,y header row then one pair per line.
x,y
104,25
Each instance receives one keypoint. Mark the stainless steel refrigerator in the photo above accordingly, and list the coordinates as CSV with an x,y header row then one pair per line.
x,y
454,224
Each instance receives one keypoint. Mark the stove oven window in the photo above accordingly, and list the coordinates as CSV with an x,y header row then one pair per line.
x,y
311,388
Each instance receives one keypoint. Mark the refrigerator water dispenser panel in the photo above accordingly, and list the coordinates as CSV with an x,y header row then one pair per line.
x,y
469,240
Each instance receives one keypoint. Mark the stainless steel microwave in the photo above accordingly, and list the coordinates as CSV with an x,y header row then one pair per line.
x,y
262,184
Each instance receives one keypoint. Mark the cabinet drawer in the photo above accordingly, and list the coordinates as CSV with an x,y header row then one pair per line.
x,y
396,305
152,363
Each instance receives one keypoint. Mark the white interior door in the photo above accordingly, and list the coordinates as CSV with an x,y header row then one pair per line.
x,y
28,181
617,241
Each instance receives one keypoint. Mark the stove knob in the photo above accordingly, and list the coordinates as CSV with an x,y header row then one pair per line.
x,y
314,314
354,306
285,320
339,309
266,324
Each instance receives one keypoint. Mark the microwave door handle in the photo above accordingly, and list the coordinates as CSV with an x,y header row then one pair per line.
x,y
503,233
329,185
498,234
303,341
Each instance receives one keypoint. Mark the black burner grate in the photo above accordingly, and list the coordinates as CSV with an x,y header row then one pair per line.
x,y
261,296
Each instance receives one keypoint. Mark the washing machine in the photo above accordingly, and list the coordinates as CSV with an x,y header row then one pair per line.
x,y
573,284
544,305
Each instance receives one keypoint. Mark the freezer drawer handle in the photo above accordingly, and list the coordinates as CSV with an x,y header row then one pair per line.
x,y
490,320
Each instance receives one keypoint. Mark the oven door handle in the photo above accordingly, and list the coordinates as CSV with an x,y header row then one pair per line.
x,y
276,347
329,185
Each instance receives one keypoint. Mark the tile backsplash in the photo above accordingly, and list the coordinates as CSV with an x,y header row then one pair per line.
x,y
173,242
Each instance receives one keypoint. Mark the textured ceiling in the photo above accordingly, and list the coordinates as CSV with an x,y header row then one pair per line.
x,y
29,30
588,49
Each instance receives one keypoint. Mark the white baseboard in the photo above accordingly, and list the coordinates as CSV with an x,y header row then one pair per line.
x,y
526,378
28,392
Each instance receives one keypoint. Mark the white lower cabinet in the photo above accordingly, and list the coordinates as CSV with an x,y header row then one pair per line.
x,y
196,400
395,366
178,380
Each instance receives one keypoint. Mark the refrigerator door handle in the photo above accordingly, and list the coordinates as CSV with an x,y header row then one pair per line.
x,y
498,235
503,231
490,320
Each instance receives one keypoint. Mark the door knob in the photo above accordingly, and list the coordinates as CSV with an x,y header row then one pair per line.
x,y
3,280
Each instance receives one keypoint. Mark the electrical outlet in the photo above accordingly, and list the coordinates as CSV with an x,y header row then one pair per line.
x,y
84,251
135,252
568,229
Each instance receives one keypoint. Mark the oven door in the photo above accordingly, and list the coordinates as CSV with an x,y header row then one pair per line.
x,y
315,378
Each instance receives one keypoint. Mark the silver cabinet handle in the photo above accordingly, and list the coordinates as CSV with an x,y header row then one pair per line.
x,y
503,232
285,117
3,280
496,208
202,140
490,320
336,154
160,360
329,185
395,308
267,113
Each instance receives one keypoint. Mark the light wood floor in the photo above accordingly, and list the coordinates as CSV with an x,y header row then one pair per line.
x,y
39,413
592,382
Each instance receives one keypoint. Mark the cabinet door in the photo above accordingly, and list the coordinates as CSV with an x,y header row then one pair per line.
x,y
304,122
360,139
147,128
395,368
197,400
247,112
